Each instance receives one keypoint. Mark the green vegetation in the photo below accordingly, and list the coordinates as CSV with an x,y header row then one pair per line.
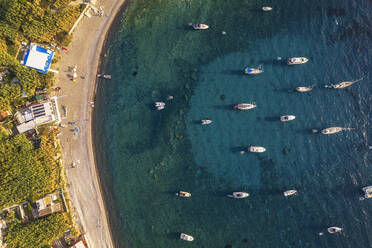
x,y
38,233
30,21
26,172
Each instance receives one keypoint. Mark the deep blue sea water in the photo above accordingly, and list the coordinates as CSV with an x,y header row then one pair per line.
x,y
145,156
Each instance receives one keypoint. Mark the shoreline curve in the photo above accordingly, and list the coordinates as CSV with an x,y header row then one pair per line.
x,y
85,187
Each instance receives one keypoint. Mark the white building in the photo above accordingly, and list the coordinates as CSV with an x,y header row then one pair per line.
x,y
38,114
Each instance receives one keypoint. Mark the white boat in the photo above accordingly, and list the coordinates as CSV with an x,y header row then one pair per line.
x,y
334,229
332,130
186,237
206,122
106,76
183,194
245,106
266,8
239,195
304,88
287,118
345,84
297,60
159,105
200,26
290,192
252,71
367,192
256,149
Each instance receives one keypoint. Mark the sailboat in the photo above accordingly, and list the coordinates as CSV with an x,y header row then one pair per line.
x,y
245,106
344,84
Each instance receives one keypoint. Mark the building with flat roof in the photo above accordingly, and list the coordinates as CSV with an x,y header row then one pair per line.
x,y
38,58
38,114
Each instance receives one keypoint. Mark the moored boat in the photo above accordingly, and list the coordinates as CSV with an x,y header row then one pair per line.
x,y
367,192
287,118
256,149
206,122
183,194
267,8
252,71
345,84
332,130
239,195
186,237
304,88
290,192
297,60
200,26
245,106
334,229
159,105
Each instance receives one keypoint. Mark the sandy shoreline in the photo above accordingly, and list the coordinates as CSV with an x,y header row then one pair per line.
x,y
84,186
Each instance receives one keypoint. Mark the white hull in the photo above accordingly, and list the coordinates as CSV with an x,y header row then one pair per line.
x,y
256,149
304,89
200,26
267,8
367,192
290,192
285,118
186,237
239,195
332,130
252,71
334,229
245,106
206,122
297,61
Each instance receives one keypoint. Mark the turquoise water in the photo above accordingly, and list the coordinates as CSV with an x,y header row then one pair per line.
x,y
145,156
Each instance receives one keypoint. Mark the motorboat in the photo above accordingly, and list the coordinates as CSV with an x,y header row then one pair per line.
x,y
256,149
106,76
159,105
206,122
186,237
334,229
245,106
266,8
297,60
345,84
290,192
367,192
304,88
183,194
239,195
287,118
252,71
332,130
200,26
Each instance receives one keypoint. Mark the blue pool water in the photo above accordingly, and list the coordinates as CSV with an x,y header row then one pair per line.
x,y
145,156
